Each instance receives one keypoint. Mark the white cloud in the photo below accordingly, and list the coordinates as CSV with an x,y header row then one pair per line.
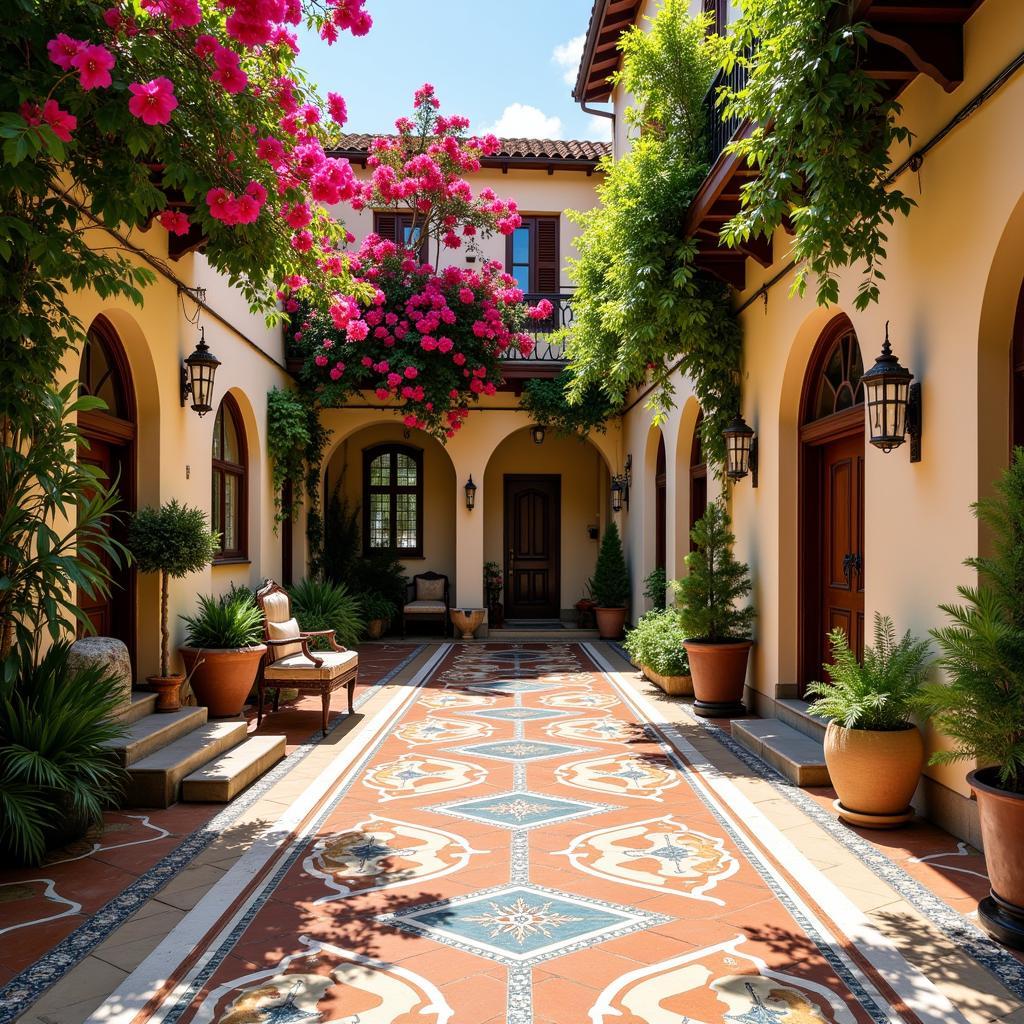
x,y
521,121
599,129
567,56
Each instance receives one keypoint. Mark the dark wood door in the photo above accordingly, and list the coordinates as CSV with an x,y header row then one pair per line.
x,y
532,546
842,555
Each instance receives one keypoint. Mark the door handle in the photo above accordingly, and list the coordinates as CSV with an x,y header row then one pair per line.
x,y
511,559
848,565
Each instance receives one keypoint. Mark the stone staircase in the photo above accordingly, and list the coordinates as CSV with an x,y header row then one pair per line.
x,y
792,742
179,755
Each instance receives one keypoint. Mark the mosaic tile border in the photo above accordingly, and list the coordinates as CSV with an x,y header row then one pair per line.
x,y
963,933
25,988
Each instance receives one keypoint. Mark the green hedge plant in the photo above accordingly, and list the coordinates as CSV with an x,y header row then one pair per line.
x,y
881,693
609,585
981,706
657,642
318,604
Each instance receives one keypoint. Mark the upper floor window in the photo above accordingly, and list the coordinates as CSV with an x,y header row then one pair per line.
x,y
531,255
719,11
393,500
228,508
398,227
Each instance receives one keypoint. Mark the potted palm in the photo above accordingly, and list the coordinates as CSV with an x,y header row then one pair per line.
x,y
656,646
873,750
981,706
222,652
718,632
172,541
609,586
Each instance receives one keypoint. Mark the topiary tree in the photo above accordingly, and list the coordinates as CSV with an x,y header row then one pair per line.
x,y
981,708
172,540
716,581
610,582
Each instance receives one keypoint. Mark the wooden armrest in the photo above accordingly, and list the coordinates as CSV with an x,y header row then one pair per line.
x,y
283,643
329,633
303,642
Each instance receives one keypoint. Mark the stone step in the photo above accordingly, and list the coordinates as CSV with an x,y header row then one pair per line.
x,y
799,757
149,733
794,713
222,779
143,703
155,781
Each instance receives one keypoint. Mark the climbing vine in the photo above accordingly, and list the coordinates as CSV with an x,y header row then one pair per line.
x,y
546,400
823,144
641,306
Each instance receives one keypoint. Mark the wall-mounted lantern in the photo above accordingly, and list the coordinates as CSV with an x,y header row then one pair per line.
x,y
537,432
892,403
470,494
740,450
197,376
620,486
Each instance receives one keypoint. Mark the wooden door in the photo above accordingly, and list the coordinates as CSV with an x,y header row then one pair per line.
x,y
532,546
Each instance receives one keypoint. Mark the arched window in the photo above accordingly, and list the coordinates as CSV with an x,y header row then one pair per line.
x,y
698,477
836,379
393,500
228,508
102,373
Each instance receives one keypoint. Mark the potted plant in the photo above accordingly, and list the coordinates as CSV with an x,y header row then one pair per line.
x,y
173,541
981,706
378,612
873,750
718,632
655,585
494,582
656,646
222,652
610,586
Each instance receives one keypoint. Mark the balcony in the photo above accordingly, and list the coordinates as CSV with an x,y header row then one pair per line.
x,y
548,355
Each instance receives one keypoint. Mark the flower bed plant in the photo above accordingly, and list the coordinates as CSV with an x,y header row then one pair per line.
x,y
657,642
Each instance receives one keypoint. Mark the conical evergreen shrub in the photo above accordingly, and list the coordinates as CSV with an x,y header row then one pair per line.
x,y
609,585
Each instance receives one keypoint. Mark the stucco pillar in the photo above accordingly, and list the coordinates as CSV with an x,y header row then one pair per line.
x,y
469,527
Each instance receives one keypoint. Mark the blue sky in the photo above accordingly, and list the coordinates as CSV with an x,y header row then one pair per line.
x,y
508,67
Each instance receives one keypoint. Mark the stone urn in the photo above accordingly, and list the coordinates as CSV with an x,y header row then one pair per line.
x,y
467,621
109,654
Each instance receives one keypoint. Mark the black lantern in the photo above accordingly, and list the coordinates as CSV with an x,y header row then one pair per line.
x,y
740,450
618,492
197,375
537,432
892,403
470,493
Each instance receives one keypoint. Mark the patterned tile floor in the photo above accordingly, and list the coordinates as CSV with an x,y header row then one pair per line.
x,y
503,839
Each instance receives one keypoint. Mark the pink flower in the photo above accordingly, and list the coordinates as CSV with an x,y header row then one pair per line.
x,y
112,18
206,45
320,360
175,222
394,380
411,373
223,205
337,107
60,121
459,359
271,150
298,216
541,311
256,191
63,49
302,241
229,74
445,345
410,420
183,13
152,102
93,63
247,209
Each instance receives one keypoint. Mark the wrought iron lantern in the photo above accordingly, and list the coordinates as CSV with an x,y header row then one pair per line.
x,y
740,450
197,376
618,489
470,494
892,403
537,432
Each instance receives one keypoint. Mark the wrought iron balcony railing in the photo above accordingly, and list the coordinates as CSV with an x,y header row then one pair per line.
x,y
720,133
545,349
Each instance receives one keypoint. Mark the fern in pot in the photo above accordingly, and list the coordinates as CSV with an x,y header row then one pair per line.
x,y
873,750
718,630
656,645
223,649
980,706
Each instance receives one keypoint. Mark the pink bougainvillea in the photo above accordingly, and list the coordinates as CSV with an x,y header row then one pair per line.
x,y
152,102
93,64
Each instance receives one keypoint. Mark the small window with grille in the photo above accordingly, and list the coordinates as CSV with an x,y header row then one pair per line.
x,y
393,500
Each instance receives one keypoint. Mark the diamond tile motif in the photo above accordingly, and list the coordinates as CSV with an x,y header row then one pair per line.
x,y
517,714
521,925
510,686
520,810
517,750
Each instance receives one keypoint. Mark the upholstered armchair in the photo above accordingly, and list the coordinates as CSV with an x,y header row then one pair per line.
x,y
290,663
429,599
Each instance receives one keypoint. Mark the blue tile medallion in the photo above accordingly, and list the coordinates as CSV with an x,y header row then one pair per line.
x,y
518,750
520,810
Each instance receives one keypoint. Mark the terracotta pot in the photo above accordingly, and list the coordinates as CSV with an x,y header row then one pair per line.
x,y
874,773
222,679
467,621
719,671
168,691
375,628
674,686
610,622
1002,832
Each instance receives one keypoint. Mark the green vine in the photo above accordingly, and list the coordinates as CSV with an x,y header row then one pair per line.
x,y
823,144
641,305
547,401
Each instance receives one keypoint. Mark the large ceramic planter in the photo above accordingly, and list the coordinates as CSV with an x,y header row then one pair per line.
x,y
719,672
674,686
167,690
1002,831
467,621
222,679
375,628
874,773
610,622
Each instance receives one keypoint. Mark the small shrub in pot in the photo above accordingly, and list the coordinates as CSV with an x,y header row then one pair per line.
x,y
609,586
656,645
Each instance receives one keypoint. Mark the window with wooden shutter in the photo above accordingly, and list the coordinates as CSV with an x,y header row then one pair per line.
x,y
547,255
531,255
398,227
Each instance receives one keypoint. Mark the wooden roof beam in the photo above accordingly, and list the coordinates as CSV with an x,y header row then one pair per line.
x,y
935,50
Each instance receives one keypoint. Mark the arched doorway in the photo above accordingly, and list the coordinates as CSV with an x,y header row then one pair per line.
x,y
1017,377
110,447
660,507
698,477
831,497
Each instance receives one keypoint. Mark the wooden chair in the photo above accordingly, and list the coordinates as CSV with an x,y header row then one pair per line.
x,y
289,664
429,598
